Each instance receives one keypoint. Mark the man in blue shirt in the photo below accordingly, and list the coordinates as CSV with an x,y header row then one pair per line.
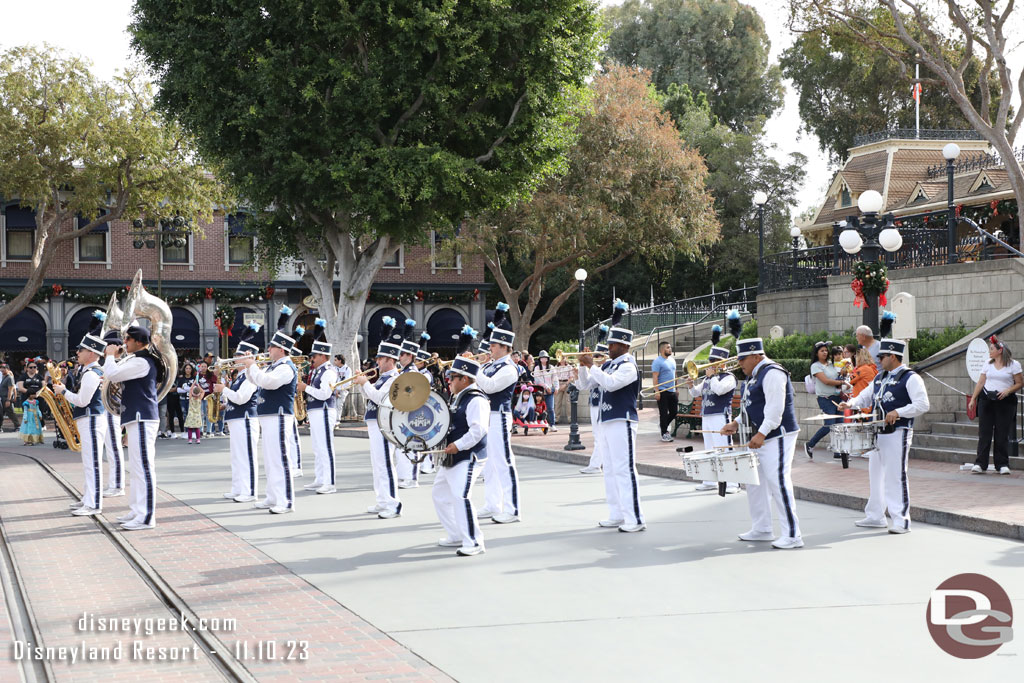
x,y
663,374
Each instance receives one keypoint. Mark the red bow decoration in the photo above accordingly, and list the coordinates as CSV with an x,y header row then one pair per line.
x,y
216,323
209,292
419,295
882,301
57,289
858,289
270,292
476,295
994,204
958,210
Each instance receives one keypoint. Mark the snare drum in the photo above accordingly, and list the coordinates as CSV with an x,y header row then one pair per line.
x,y
854,439
738,466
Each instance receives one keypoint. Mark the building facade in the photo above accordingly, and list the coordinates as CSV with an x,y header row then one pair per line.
x,y
204,273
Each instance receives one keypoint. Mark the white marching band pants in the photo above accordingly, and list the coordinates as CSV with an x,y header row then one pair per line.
x,y
278,456
622,493
141,456
244,433
321,432
115,453
501,480
774,469
452,493
597,456
91,432
887,472
713,423
384,484
404,468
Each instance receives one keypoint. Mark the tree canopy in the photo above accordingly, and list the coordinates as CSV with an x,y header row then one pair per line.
x,y
716,47
73,146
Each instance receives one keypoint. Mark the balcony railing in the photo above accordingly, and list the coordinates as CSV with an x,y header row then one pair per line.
x,y
916,134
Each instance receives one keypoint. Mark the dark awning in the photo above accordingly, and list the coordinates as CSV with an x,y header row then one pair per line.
x,y
237,224
184,329
20,218
444,326
25,332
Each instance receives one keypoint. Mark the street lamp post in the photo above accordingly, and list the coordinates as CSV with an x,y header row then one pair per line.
x,y
794,232
950,152
574,393
169,234
876,237
760,199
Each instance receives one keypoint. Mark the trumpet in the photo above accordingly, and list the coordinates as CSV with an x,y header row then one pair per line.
x,y
348,380
448,363
693,373
561,355
262,360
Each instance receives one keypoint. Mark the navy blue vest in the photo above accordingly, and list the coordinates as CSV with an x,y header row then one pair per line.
x,y
460,425
712,403
619,404
371,407
501,401
280,401
893,396
95,406
314,381
237,411
754,401
138,396
595,398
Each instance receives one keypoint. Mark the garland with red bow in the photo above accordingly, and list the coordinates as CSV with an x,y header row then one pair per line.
x,y
224,320
869,278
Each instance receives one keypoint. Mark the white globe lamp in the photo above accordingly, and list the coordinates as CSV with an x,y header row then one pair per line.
x,y
850,241
869,202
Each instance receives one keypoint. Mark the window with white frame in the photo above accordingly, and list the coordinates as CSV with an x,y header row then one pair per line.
x,y
19,233
176,251
240,241
92,246
397,259
443,254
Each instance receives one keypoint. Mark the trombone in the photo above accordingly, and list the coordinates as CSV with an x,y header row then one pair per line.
x,y
347,380
262,360
693,373
448,363
561,355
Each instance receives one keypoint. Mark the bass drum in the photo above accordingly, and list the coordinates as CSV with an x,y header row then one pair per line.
x,y
384,413
425,428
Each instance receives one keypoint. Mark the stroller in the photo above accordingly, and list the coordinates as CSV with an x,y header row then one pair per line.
x,y
525,413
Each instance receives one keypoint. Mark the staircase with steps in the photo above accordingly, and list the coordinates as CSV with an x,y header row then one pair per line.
x,y
955,439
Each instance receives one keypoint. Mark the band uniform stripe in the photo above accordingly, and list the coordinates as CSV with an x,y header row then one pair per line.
x,y
511,468
150,492
904,452
95,462
632,473
252,460
782,488
284,459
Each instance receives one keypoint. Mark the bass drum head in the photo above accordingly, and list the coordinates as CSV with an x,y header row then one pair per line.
x,y
384,412
424,428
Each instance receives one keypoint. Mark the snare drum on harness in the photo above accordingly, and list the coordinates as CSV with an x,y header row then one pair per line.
x,y
722,464
420,433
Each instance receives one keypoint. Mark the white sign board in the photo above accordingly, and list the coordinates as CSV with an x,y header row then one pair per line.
x,y
905,307
977,357
248,318
775,332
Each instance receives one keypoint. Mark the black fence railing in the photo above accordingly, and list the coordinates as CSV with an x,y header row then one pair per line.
x,y
916,134
973,161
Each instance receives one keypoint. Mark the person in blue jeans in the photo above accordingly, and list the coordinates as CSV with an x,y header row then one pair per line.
x,y
826,389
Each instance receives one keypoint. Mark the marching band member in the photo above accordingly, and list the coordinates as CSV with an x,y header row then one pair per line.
x,y
296,449
343,371
275,410
426,466
87,410
497,378
715,391
767,410
112,436
406,470
619,381
467,446
597,455
388,506
322,411
243,425
898,396
139,373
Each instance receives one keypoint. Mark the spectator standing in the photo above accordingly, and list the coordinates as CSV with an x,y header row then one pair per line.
x,y
31,420
7,397
566,374
826,389
546,376
995,396
863,373
342,392
867,340
663,374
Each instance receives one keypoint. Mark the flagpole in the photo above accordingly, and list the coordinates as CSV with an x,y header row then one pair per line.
x,y
917,97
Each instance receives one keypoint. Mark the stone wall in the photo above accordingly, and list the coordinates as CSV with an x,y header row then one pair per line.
x,y
805,310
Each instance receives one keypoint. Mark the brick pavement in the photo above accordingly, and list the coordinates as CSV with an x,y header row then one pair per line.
x,y
221,576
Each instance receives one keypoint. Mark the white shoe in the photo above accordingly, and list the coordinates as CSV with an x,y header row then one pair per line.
x,y
262,505
667,438
429,469
788,543
631,528
281,510
504,518
611,523
374,509
85,511
126,518
135,526
977,470
898,530
112,493
327,489
312,487
732,488
467,552
449,543
706,487
245,499
77,504
408,484
590,470
389,514
484,513
553,428
757,536
871,523
232,496
1004,470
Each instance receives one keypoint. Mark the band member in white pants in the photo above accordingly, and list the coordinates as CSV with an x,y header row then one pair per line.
x,y
467,447
88,413
112,438
408,472
897,395
244,429
768,415
593,397
715,391
388,506
322,411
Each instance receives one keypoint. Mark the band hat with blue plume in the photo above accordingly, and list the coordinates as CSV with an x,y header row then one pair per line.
x,y
465,344
602,335
885,326
387,349
502,332
423,354
298,333
462,365
245,344
619,335
717,352
92,341
485,343
896,347
320,343
408,345
744,347
280,339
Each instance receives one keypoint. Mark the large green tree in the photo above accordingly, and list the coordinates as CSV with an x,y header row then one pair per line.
x,y
849,88
716,47
363,123
72,146
632,187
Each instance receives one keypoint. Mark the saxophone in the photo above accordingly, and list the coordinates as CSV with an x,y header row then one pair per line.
x,y
61,410
299,407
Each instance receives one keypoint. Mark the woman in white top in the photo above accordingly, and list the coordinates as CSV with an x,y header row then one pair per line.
x,y
826,389
997,407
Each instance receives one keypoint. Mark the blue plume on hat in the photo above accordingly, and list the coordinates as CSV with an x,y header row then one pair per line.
x,y
885,327
282,319
387,326
96,325
490,326
300,331
716,334
500,314
410,327
466,337
320,329
732,319
424,338
249,332
602,333
618,310
254,326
